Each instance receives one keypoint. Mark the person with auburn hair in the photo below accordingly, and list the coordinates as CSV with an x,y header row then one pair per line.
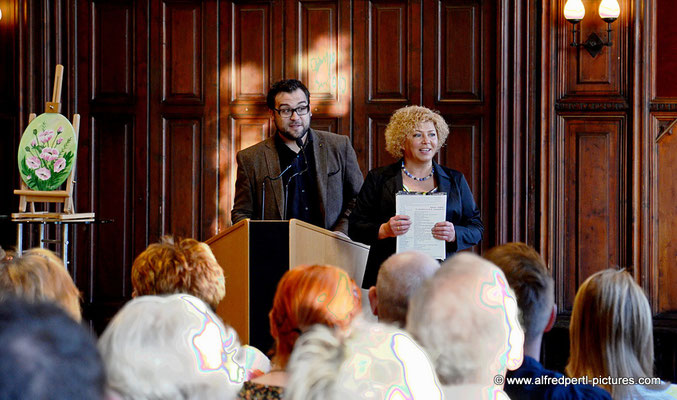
x,y
179,266
305,296
414,135
39,275
611,336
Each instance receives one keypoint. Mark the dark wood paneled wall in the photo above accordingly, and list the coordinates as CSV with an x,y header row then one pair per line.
x,y
562,150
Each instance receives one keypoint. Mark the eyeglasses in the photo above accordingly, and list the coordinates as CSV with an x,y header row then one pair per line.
x,y
287,112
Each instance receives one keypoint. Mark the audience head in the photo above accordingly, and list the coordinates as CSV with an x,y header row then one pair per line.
x,y
171,347
367,361
529,278
398,278
405,120
39,275
45,354
466,318
611,332
179,266
286,86
309,295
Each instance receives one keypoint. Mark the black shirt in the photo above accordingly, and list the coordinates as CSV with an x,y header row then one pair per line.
x,y
300,182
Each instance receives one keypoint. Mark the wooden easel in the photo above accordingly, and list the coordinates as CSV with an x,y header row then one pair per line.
x,y
64,197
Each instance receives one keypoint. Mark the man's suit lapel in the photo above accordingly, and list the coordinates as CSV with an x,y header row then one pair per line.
x,y
273,165
320,152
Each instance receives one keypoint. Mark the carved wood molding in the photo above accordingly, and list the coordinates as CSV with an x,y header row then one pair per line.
x,y
662,107
592,106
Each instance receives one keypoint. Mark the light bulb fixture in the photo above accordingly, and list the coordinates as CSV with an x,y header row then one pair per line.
x,y
574,11
0,14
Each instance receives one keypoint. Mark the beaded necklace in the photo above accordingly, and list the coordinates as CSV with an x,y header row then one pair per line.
x,y
407,173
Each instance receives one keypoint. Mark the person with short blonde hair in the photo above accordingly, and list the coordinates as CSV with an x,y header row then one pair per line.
x,y
611,335
414,135
39,275
179,266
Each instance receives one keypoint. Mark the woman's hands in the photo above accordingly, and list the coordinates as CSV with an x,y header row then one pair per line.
x,y
444,231
396,226
400,224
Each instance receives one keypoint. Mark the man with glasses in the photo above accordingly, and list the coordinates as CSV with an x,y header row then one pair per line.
x,y
299,172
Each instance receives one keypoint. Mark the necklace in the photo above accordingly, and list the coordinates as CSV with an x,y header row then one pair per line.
x,y
407,173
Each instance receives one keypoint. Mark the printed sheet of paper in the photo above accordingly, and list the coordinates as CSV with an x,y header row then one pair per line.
x,y
425,211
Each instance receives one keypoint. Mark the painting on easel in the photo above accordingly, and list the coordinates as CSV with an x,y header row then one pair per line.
x,y
47,151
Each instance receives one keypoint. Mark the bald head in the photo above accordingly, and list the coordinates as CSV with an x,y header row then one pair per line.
x,y
466,317
398,278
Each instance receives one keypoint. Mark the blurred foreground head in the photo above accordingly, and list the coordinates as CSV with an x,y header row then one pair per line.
x,y
466,317
368,361
46,355
39,275
171,347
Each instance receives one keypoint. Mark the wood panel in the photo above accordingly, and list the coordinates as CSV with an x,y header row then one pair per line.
x,y
250,73
387,58
182,186
662,214
319,53
459,51
664,58
112,166
463,152
377,141
112,30
592,198
182,53
388,40
9,115
603,75
319,58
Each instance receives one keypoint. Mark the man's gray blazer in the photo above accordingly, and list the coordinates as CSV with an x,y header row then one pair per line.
x,y
339,180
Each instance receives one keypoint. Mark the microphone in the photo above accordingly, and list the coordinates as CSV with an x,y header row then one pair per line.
x,y
263,191
299,142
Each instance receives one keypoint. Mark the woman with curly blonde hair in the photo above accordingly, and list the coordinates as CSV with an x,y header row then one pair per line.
x,y
414,135
305,296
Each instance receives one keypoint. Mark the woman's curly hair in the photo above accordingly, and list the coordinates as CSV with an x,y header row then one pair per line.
x,y
404,121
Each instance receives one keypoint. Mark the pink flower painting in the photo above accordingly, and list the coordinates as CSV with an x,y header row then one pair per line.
x,y
46,135
33,162
59,164
49,154
43,174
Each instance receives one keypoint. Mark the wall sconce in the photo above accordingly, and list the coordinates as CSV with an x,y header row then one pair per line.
x,y
574,11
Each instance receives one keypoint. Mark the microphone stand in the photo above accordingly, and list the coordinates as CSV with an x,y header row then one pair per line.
x,y
299,142
263,190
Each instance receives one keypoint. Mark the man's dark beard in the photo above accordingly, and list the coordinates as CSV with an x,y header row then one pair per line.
x,y
292,138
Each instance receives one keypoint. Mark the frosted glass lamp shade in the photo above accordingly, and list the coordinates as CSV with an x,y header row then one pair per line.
x,y
609,10
574,10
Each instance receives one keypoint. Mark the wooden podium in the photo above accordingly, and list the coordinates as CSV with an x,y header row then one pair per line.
x,y
254,256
